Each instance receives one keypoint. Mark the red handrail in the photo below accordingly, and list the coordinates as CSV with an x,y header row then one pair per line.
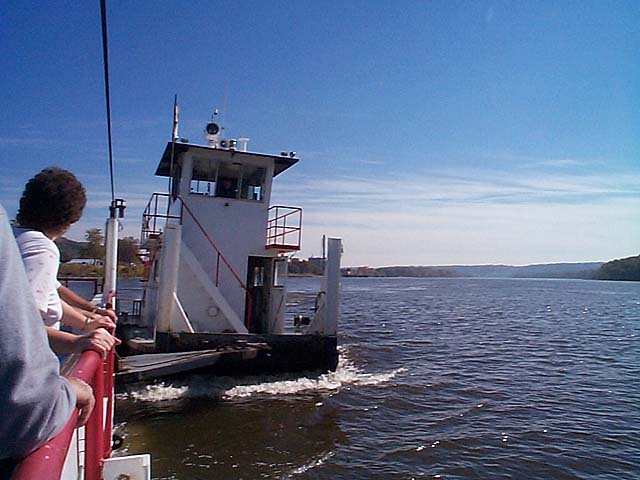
x,y
221,256
149,227
48,460
109,376
279,234
213,244
150,216
153,228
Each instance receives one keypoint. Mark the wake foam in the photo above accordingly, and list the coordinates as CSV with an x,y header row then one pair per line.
x,y
347,374
344,375
308,466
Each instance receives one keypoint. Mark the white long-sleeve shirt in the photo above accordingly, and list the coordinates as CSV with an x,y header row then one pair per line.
x,y
41,258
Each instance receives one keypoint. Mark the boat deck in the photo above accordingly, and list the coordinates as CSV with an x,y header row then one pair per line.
x,y
142,358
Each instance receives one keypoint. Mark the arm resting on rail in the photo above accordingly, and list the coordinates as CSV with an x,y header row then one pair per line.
x,y
77,301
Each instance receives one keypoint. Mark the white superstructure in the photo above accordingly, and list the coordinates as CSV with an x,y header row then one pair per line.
x,y
216,249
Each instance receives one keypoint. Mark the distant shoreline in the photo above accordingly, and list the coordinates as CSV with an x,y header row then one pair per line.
x,y
626,269
555,270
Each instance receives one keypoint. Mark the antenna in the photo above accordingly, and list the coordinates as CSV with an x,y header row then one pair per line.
x,y
226,96
174,137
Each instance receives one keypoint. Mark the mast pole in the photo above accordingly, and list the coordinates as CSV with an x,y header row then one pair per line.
x,y
174,136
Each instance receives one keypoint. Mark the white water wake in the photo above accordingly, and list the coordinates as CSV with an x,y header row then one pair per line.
x,y
198,386
308,466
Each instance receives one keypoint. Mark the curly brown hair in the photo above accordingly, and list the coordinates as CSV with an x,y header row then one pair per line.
x,y
52,200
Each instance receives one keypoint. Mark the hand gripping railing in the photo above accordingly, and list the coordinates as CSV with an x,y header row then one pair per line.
x,y
47,461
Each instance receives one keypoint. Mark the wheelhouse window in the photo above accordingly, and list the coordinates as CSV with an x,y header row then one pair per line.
x,y
229,175
203,178
252,183
227,180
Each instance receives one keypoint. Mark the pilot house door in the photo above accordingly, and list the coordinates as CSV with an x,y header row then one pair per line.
x,y
258,283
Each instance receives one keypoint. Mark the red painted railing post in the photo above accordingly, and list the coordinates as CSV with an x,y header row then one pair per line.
x,y
108,389
151,215
94,436
280,231
284,229
155,209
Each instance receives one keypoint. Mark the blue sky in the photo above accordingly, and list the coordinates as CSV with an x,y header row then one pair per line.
x,y
429,132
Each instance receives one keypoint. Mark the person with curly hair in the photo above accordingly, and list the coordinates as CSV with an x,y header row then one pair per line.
x,y
52,201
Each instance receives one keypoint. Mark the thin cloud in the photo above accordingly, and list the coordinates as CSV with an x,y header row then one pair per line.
x,y
465,215
497,233
455,216
38,141
465,187
563,163
370,162
538,162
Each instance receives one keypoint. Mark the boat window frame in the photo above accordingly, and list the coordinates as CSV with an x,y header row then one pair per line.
x,y
249,181
256,171
211,181
276,282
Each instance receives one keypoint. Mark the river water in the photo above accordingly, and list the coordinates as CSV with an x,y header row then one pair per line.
x,y
438,378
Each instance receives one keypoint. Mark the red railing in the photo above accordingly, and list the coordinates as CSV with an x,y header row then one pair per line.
x,y
157,209
48,460
154,217
220,256
150,227
284,227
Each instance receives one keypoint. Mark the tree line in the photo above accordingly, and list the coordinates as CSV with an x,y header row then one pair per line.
x,y
94,247
621,269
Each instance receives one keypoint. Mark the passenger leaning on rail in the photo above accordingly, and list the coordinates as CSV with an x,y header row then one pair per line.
x,y
52,201
35,401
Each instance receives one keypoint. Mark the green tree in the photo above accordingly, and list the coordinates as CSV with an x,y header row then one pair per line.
x,y
622,269
94,238
128,250
303,267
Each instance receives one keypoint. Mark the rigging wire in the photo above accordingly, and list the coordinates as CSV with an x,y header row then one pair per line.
x,y
105,56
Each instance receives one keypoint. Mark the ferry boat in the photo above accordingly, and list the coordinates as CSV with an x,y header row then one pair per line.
x,y
216,256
